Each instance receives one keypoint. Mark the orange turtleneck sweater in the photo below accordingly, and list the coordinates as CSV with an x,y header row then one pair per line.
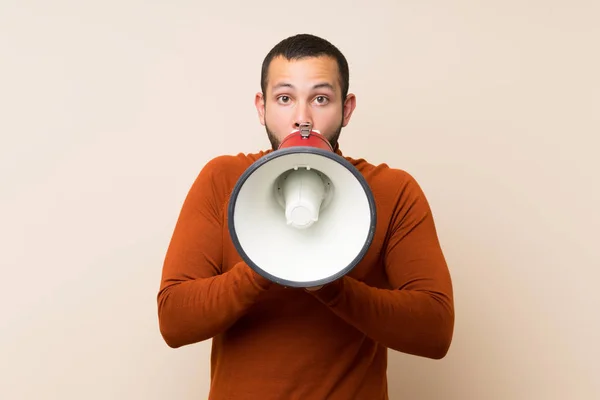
x,y
272,342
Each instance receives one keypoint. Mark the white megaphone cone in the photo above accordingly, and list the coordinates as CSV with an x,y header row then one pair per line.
x,y
302,215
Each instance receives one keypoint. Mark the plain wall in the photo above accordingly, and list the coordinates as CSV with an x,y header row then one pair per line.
x,y
108,111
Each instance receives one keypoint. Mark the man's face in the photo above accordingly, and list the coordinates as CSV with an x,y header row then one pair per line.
x,y
300,91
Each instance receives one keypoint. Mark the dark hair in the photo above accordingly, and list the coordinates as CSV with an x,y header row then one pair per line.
x,y
302,46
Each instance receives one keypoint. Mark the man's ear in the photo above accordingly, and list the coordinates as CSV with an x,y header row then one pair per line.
x,y
349,106
259,102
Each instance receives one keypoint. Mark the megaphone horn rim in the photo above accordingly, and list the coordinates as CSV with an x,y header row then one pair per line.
x,y
302,150
300,139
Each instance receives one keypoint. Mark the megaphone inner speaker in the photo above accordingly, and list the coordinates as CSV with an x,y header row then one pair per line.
x,y
302,216
303,192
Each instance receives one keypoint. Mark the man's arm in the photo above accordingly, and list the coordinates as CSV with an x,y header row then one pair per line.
x,y
196,301
417,315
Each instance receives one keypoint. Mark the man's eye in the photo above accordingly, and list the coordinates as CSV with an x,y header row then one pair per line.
x,y
321,99
283,99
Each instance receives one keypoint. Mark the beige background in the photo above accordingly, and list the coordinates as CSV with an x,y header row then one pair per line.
x,y
108,110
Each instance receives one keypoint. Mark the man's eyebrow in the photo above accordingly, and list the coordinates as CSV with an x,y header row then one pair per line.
x,y
324,85
283,84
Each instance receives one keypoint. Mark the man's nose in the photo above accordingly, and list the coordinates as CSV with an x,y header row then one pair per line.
x,y
302,116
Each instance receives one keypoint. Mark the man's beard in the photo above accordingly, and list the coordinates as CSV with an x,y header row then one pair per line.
x,y
275,142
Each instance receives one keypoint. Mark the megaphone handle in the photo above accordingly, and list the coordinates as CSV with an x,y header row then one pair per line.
x,y
305,129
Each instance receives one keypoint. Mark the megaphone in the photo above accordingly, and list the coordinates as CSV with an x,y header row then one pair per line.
x,y
302,215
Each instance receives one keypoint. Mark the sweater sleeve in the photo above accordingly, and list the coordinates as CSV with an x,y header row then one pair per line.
x,y
415,316
196,300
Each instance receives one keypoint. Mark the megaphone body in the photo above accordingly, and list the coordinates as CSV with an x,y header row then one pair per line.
x,y
302,215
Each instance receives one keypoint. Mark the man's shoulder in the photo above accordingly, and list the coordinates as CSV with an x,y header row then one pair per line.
x,y
223,171
382,176
232,163
395,190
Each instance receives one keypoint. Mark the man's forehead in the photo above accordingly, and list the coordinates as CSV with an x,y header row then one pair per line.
x,y
322,71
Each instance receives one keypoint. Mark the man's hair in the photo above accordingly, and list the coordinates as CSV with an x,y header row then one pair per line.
x,y
302,46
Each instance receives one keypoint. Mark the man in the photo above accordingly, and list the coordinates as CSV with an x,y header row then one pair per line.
x,y
330,342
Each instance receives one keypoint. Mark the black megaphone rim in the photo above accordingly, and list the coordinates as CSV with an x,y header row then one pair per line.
x,y
306,150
